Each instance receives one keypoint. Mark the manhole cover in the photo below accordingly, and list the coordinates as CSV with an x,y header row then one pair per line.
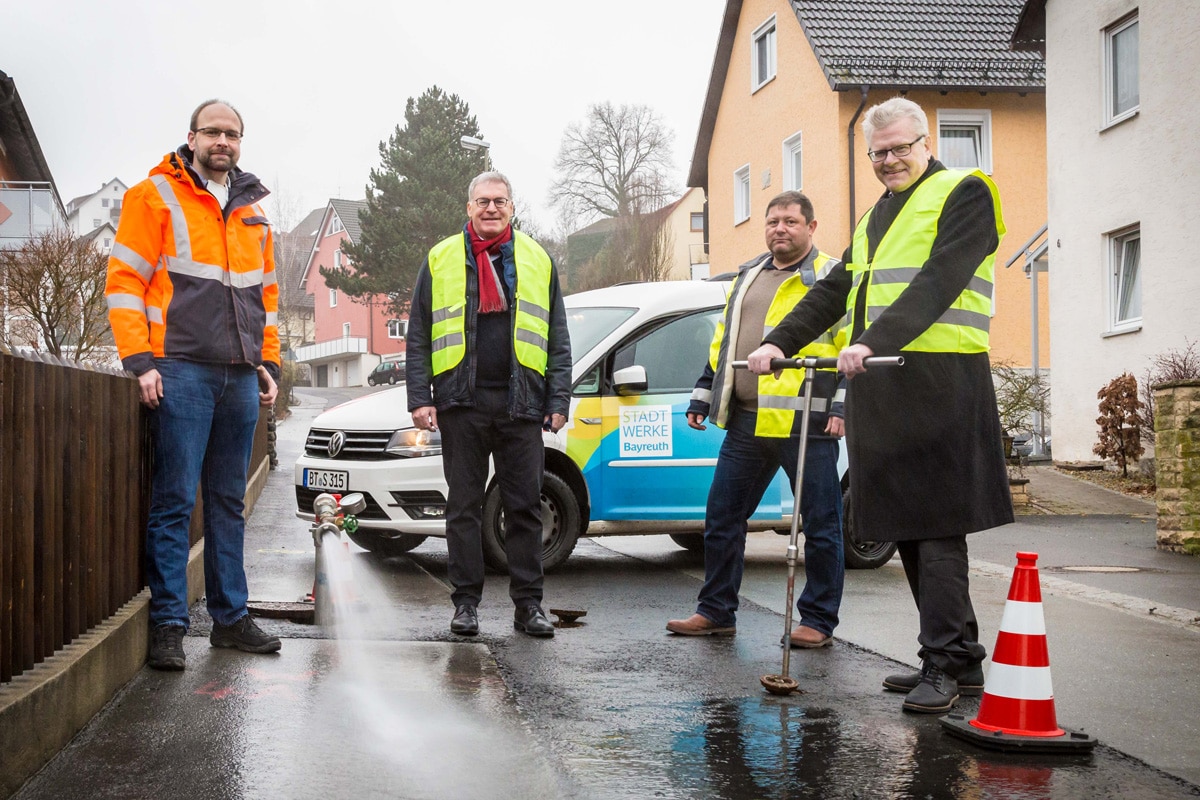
x,y
1100,569
296,612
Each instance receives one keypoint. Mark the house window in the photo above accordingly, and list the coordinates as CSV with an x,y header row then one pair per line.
x,y
333,298
104,202
107,244
741,195
762,70
335,225
1125,279
697,222
346,329
95,223
793,175
1121,70
965,139
337,259
397,328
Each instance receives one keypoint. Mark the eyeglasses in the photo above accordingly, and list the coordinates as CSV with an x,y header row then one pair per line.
x,y
501,203
899,151
215,133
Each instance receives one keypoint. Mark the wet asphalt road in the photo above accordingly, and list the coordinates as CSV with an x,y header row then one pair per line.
x,y
614,708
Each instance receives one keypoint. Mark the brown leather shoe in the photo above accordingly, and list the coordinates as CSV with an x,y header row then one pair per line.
x,y
805,636
699,625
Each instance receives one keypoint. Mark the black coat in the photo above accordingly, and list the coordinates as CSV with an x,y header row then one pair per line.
x,y
531,396
923,439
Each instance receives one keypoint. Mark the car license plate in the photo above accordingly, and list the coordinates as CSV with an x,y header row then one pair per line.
x,y
326,480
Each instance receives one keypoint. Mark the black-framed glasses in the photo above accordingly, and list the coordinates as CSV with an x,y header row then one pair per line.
x,y
500,203
899,151
215,133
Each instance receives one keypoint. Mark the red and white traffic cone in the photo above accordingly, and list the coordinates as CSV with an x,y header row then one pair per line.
x,y
1017,709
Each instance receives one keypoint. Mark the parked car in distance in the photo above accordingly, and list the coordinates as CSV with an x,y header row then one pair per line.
x,y
389,371
626,462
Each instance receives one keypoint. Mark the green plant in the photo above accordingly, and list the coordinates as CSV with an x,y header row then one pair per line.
x,y
1019,393
1173,365
1120,422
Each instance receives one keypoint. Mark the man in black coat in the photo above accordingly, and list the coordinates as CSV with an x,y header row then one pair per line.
x,y
489,367
924,438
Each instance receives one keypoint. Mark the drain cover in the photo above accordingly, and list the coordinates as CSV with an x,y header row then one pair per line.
x,y
1100,569
296,612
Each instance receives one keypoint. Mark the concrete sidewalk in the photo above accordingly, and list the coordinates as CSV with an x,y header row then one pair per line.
x,y
1054,492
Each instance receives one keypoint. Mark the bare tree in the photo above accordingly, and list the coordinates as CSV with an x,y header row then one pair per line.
x,y
54,293
615,163
1181,364
293,246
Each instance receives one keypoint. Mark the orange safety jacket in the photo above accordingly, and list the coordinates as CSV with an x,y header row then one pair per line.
x,y
188,280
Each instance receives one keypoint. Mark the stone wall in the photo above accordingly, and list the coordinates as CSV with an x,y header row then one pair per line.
x,y
1177,465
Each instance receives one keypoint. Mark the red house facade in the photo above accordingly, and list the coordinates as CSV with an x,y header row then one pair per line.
x,y
352,335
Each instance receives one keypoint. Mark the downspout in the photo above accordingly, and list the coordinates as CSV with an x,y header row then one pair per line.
x,y
850,145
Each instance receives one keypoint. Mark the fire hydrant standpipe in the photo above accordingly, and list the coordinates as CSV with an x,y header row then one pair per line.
x,y
333,514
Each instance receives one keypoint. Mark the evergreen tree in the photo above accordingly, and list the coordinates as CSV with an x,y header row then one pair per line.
x,y
417,197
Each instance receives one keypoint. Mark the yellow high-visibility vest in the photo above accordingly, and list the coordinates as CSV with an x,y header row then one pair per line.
x,y
531,328
779,401
901,253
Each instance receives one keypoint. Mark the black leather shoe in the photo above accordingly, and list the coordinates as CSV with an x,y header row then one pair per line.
x,y
935,694
970,683
466,620
531,620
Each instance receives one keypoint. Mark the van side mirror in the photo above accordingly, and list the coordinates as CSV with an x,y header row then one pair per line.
x,y
631,380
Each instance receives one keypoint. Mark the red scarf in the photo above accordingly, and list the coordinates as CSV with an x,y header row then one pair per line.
x,y
491,296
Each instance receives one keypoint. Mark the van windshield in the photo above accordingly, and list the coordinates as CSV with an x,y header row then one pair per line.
x,y
589,325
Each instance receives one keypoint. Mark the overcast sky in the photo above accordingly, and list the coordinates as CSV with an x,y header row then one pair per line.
x,y
109,86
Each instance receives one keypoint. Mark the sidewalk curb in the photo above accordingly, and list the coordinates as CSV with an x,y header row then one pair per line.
x,y
1184,618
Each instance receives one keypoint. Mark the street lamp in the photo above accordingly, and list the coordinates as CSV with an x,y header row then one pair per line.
x,y
474,144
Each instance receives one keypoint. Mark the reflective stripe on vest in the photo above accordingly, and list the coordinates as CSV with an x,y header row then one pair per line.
x,y
779,401
182,262
531,317
901,253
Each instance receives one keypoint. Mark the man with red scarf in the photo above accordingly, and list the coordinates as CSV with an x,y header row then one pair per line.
x,y
489,367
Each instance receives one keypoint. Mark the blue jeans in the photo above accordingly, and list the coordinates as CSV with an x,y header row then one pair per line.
x,y
203,433
745,468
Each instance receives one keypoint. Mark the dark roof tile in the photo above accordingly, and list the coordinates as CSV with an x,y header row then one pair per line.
x,y
934,44
347,211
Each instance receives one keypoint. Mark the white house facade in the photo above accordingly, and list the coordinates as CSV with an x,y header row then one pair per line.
x,y
88,212
1121,123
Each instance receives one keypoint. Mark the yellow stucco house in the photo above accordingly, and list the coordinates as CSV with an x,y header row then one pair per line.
x,y
789,83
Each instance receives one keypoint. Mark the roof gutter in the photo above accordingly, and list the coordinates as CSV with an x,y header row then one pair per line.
x,y
850,145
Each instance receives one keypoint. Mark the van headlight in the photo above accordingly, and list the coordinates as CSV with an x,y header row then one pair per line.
x,y
414,443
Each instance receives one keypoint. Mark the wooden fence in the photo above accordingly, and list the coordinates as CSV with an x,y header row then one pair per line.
x,y
74,497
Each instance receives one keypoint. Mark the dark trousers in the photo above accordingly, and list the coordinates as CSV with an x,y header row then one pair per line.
x,y
469,436
937,575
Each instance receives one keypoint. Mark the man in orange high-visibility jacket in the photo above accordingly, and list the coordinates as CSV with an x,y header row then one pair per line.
x,y
192,301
